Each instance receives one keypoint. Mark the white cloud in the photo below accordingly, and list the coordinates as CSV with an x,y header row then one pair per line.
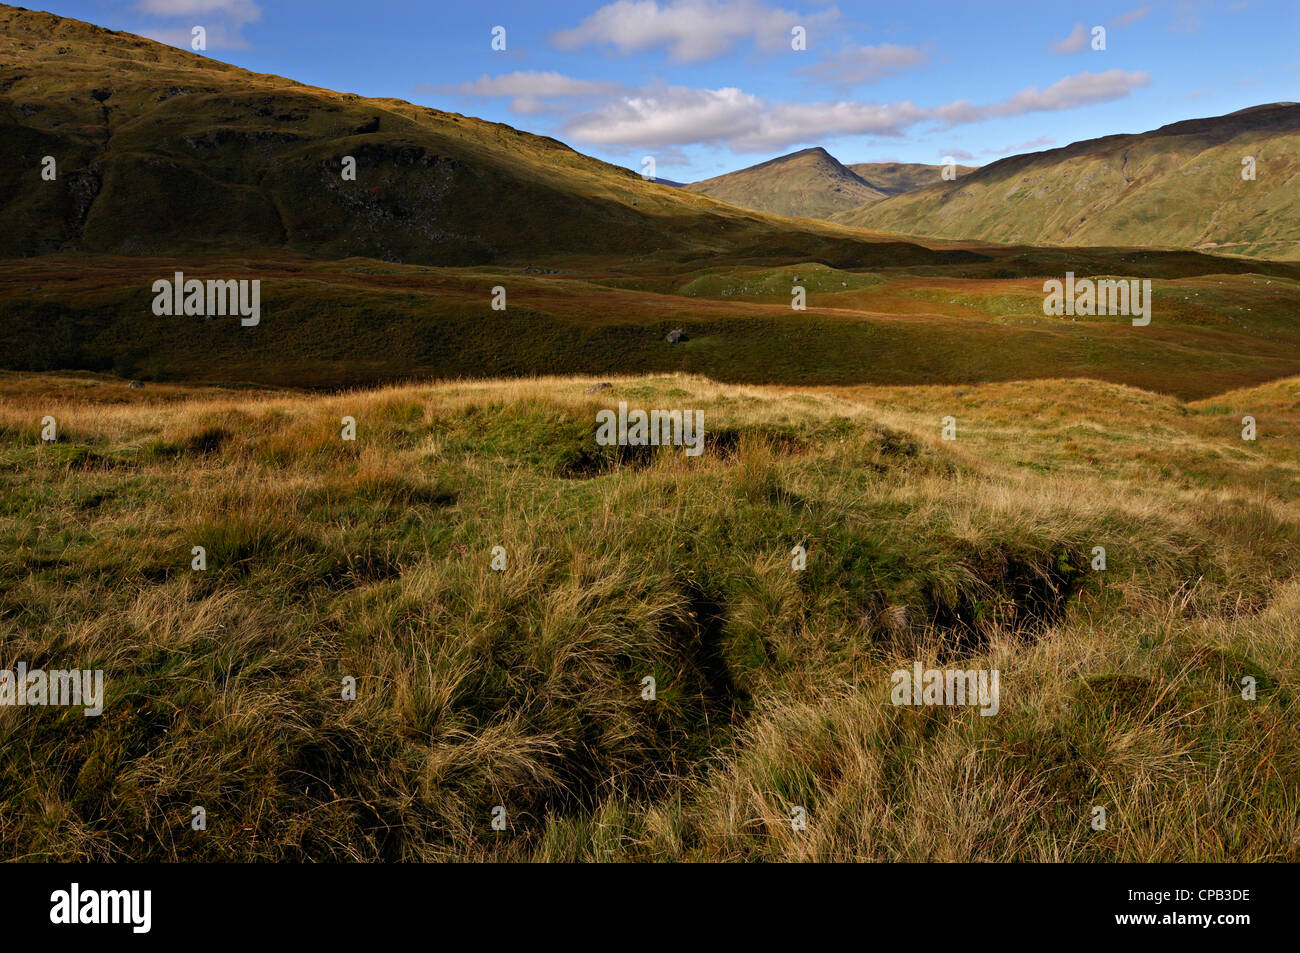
x,y
1029,146
1081,89
671,158
1133,16
692,30
675,115
531,83
245,11
665,115
1075,42
222,20
218,37
531,92
865,64
1080,36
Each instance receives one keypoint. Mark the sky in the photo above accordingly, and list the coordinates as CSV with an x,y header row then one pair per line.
x,y
709,86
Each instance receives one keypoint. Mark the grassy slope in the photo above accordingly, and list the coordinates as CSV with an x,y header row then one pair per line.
x,y
1180,185
894,178
522,687
810,183
162,151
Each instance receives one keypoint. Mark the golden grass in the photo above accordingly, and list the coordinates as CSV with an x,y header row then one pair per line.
x,y
523,688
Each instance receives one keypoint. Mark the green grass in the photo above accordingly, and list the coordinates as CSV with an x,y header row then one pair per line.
x,y
811,276
522,688
1215,326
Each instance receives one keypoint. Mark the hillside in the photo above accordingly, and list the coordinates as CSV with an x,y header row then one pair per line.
x,y
810,183
1179,185
894,178
163,151
366,579
1217,323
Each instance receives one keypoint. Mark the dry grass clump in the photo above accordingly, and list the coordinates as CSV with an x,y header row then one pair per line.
x,y
333,562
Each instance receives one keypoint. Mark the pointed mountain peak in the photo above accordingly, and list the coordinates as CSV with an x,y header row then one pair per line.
x,y
810,183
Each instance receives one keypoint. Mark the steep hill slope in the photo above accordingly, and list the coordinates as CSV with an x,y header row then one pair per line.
x,y
810,183
162,151
1179,185
895,178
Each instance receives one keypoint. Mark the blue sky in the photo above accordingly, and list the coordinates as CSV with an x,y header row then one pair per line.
x,y
707,86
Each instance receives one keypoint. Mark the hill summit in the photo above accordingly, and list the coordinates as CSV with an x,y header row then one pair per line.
x,y
810,183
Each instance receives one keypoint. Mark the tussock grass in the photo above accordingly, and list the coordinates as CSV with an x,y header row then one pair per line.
x,y
523,688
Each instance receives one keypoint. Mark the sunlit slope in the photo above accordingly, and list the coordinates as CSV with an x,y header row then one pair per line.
x,y
806,184
894,178
1180,185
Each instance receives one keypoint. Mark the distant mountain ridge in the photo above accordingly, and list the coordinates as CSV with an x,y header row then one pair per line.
x,y
812,183
1179,185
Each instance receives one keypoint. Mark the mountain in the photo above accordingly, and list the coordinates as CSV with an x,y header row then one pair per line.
x,y
1179,185
894,178
168,161
160,151
810,183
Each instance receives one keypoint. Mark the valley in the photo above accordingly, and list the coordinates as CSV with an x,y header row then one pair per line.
x,y
315,445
